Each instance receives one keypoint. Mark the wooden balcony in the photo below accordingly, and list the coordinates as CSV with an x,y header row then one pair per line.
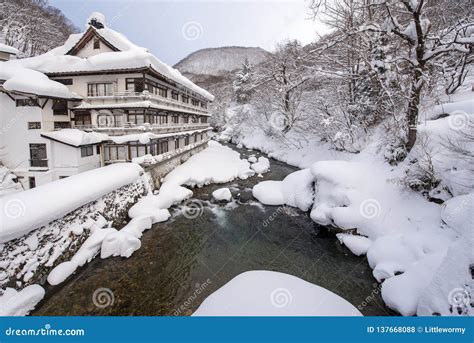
x,y
159,100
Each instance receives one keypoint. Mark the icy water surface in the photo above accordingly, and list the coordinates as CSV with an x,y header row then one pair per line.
x,y
184,260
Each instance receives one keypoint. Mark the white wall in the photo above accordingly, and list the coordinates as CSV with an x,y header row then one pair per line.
x,y
88,50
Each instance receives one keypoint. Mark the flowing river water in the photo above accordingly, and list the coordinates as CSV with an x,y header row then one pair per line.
x,y
184,260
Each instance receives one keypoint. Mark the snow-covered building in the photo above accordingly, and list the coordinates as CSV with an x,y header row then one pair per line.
x,y
96,100
7,52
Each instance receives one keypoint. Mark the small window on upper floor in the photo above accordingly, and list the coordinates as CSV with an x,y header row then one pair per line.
x,y
34,125
96,43
26,102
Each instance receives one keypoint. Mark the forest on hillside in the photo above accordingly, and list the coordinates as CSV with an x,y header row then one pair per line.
x,y
33,26
382,63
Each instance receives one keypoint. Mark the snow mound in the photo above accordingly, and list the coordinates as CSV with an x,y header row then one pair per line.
x,y
295,190
266,293
222,194
20,303
358,245
215,164
262,166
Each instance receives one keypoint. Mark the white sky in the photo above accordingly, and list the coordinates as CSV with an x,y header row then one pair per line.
x,y
173,29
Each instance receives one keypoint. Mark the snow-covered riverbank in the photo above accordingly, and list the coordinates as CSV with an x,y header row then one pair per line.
x,y
410,242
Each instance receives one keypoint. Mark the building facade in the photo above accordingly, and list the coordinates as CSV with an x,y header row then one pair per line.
x,y
105,100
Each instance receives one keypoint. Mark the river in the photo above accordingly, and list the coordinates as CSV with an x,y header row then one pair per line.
x,y
183,260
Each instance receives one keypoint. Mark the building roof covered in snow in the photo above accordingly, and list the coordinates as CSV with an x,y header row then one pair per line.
x,y
75,137
8,49
123,55
17,79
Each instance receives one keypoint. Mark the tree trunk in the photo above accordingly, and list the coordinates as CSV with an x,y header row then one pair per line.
x,y
412,115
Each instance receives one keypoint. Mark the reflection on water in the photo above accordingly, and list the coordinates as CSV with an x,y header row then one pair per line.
x,y
184,260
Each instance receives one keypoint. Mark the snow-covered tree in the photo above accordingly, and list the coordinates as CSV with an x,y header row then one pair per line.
x,y
417,38
33,26
283,76
243,85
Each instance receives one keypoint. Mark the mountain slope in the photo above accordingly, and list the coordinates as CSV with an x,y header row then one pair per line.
x,y
219,61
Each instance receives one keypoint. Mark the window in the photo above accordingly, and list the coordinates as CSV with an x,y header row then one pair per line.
x,y
66,82
100,89
186,140
174,95
134,85
204,120
163,147
176,144
87,151
34,125
185,99
175,119
96,43
32,182
186,119
26,102
204,104
163,120
62,125
194,102
136,117
97,149
60,107
137,150
38,157
114,153
162,92
83,119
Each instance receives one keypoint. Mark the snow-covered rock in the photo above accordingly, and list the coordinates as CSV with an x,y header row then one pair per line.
x,y
295,190
20,303
267,293
222,194
358,245
262,166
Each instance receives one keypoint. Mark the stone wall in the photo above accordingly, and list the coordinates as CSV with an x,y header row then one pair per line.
x,y
29,259
159,170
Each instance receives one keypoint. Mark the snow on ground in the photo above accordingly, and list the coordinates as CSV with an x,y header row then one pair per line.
x,y
20,303
267,293
418,251
31,209
215,164
222,194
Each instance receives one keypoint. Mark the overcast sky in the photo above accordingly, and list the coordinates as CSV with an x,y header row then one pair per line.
x,y
174,29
